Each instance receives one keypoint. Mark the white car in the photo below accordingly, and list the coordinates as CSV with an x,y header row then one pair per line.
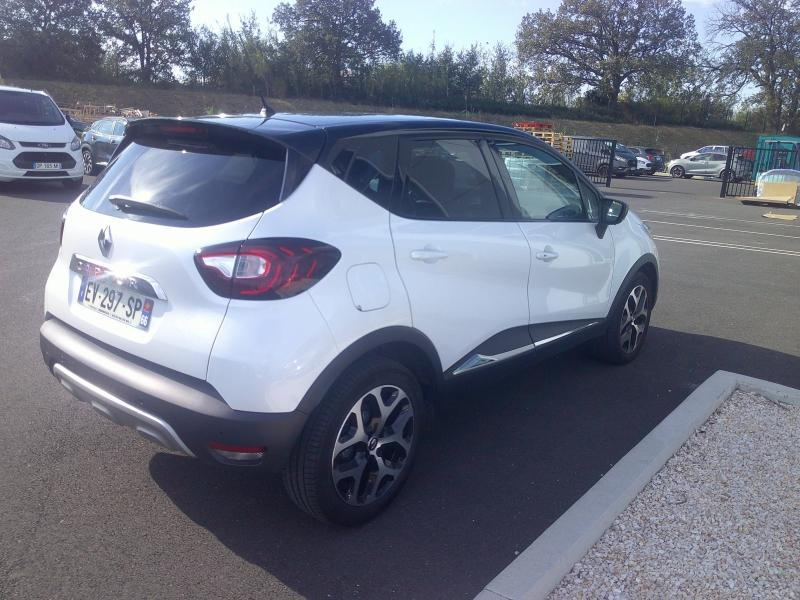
x,y
292,293
36,141
643,165
706,150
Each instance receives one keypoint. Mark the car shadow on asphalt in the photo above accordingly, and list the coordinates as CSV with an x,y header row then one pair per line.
x,y
505,458
42,191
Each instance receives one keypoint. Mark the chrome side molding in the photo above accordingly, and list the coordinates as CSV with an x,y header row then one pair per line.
x,y
481,360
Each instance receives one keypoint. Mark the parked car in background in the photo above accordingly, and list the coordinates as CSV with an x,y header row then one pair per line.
x,y
706,165
36,142
292,293
79,127
706,150
623,153
100,141
593,155
653,155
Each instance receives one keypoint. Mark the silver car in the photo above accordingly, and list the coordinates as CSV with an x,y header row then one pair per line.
x,y
709,164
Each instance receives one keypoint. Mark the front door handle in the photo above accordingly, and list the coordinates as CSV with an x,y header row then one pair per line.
x,y
428,254
547,254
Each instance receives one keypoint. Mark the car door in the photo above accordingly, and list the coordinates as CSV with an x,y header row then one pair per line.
x,y
117,134
101,141
557,210
698,165
464,265
716,164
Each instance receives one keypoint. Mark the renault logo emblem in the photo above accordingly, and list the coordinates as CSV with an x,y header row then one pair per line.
x,y
105,241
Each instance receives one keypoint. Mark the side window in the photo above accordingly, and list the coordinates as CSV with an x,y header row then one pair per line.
x,y
105,127
367,165
546,187
447,179
119,128
718,158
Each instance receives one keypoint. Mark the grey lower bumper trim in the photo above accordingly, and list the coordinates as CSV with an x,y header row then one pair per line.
x,y
119,411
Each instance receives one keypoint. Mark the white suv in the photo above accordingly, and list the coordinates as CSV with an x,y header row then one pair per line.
x,y
291,293
36,142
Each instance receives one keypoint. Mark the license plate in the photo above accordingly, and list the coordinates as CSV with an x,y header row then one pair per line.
x,y
46,165
117,302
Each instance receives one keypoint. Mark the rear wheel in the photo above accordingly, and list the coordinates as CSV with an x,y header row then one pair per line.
x,y
677,172
727,175
357,448
628,322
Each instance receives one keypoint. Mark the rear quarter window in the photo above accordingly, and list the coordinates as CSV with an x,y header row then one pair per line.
x,y
367,165
208,181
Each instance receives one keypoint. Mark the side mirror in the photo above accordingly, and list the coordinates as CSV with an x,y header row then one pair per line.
x,y
612,212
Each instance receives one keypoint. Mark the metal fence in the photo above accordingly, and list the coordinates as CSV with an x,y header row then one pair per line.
x,y
595,157
744,165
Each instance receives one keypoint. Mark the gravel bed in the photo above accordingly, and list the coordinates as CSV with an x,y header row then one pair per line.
x,y
720,520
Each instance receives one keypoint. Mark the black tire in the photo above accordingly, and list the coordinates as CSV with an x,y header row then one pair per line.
x,y
611,347
677,172
309,475
72,184
602,171
89,168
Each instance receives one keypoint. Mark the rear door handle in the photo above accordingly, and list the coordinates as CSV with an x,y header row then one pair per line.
x,y
428,254
547,254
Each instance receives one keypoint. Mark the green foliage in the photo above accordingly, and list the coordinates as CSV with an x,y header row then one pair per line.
x,y
150,37
764,51
606,44
48,38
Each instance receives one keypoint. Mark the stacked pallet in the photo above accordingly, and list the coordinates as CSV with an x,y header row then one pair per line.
x,y
544,131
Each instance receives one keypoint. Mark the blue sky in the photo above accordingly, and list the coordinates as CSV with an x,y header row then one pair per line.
x,y
458,22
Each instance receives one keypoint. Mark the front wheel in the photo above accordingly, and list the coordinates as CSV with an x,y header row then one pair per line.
x,y
88,162
628,322
677,172
602,171
357,449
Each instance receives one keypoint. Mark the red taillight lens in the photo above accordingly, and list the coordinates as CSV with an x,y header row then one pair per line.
x,y
265,269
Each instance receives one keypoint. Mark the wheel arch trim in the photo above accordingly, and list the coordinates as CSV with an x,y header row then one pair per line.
x,y
373,342
646,261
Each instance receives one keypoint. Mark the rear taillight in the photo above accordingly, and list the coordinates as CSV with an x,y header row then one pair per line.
x,y
265,269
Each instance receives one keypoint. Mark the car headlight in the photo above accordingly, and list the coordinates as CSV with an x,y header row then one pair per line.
x,y
75,144
6,144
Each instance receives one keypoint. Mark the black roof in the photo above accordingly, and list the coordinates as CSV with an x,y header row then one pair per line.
x,y
309,133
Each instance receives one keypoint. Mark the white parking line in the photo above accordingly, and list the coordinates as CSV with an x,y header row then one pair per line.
x,y
727,245
794,237
696,216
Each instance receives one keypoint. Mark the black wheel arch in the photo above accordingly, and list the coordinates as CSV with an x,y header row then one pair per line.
x,y
406,345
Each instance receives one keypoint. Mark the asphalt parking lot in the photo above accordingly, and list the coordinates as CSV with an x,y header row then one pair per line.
x,y
90,510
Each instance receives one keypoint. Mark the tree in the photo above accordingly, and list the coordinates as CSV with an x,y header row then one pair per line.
x,y
152,36
338,38
764,51
49,39
606,44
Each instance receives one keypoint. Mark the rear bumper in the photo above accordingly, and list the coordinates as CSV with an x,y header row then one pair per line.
x,y
179,412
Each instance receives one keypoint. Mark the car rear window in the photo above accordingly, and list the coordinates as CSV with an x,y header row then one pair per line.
x,y
201,182
27,108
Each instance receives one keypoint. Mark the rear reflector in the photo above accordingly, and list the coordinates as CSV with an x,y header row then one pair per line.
x,y
265,269
233,452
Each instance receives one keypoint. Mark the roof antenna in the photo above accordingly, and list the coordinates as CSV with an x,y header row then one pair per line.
x,y
266,110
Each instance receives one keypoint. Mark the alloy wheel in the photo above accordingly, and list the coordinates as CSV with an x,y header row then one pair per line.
x,y
373,445
634,319
677,172
88,162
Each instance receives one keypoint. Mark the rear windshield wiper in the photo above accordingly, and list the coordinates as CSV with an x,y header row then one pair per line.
x,y
128,205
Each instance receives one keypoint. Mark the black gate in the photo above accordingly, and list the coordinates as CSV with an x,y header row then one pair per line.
x,y
595,157
745,164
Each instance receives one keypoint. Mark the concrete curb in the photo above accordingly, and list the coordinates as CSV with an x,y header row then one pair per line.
x,y
535,572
